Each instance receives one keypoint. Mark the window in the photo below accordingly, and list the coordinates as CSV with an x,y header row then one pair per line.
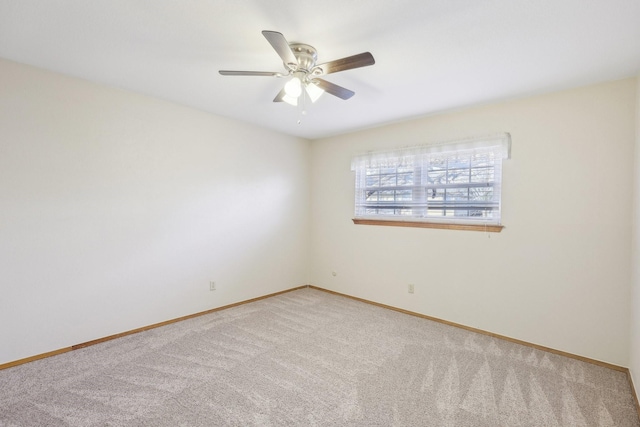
x,y
441,184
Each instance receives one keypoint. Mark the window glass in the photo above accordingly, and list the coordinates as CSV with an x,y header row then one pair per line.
x,y
460,181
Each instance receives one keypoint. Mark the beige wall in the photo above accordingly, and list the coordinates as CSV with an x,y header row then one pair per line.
x,y
117,210
559,273
634,362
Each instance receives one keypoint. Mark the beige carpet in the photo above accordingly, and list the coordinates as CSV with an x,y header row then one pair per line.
x,y
309,358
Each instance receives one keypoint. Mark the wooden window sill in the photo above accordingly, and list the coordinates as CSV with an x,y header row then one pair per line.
x,y
441,225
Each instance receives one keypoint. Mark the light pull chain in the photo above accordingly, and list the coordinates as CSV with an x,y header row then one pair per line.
x,y
302,110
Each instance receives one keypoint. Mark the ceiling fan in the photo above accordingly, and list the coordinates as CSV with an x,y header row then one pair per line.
x,y
300,62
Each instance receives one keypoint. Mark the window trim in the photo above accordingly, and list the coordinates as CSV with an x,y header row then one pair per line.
x,y
488,228
500,143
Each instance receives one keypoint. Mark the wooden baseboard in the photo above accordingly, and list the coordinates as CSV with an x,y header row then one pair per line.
x,y
502,337
633,391
483,332
33,358
134,331
423,316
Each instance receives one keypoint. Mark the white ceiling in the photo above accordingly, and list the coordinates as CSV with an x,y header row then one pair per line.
x,y
431,55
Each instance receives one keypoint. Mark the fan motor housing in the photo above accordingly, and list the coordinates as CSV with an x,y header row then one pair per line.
x,y
305,54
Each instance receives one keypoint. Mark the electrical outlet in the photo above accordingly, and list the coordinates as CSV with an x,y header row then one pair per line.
x,y
212,286
411,288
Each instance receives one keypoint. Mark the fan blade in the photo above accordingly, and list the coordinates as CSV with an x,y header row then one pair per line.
x,y
334,89
250,73
281,46
280,96
348,63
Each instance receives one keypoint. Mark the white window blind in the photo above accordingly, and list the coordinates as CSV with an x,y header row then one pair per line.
x,y
456,182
